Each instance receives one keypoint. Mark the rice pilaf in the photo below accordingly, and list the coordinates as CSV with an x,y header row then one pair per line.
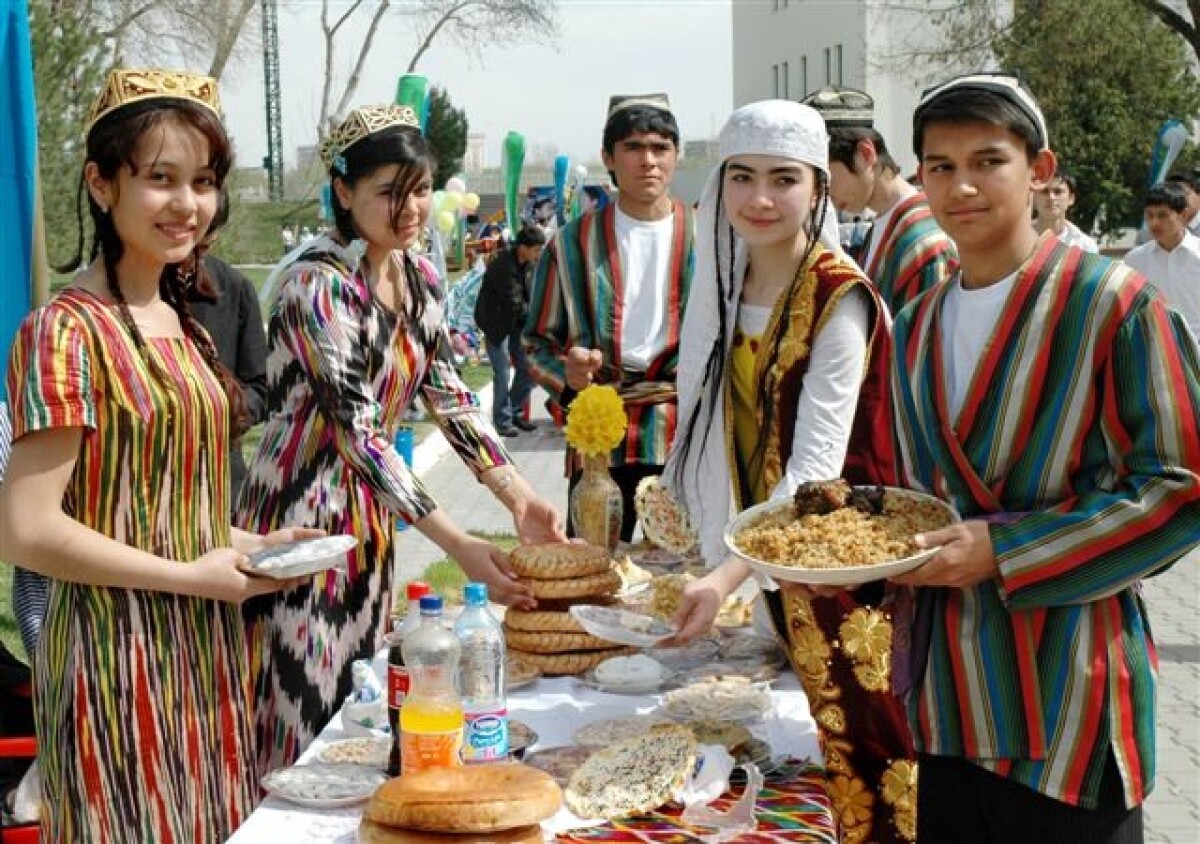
x,y
844,538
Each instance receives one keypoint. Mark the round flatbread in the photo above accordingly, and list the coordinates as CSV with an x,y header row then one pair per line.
x,y
663,520
609,730
605,583
519,672
633,776
541,621
554,643
559,560
370,832
469,798
572,662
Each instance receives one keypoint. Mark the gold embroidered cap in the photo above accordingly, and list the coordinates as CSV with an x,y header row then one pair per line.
x,y
125,87
363,122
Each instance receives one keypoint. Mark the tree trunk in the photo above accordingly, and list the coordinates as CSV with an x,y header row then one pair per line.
x,y
356,74
227,39
427,41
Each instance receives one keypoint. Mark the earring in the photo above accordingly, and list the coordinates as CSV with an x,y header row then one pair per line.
x,y
103,208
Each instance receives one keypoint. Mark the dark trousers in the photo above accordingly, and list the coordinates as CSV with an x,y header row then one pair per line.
x,y
627,478
958,802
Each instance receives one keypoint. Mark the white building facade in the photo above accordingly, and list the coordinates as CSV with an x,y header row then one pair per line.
x,y
789,48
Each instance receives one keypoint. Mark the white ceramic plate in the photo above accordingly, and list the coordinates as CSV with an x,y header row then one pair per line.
x,y
324,786
647,687
621,626
842,575
686,657
305,556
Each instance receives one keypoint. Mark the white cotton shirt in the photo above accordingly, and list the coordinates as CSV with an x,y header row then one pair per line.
x,y
829,395
645,250
1072,235
969,318
878,230
1175,273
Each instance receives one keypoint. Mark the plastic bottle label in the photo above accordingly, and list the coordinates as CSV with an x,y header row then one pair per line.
x,y
399,683
486,736
419,751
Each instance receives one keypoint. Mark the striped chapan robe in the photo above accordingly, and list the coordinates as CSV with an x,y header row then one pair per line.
x,y
913,254
577,299
1080,437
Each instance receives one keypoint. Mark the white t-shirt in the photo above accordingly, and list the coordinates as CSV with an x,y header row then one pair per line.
x,y
968,320
1175,273
645,250
1072,235
878,230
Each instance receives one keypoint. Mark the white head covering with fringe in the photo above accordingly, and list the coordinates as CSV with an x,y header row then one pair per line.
x,y
703,483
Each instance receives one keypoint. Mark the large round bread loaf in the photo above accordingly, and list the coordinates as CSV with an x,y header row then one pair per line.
x,y
370,832
472,798
541,621
605,583
552,642
556,560
634,775
569,662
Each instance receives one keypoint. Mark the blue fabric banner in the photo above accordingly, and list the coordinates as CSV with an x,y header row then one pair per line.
x,y
18,172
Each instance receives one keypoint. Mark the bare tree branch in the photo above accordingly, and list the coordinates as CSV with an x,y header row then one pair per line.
x,y
364,51
427,41
1177,22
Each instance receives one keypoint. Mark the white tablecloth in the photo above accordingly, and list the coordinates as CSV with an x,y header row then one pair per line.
x,y
554,708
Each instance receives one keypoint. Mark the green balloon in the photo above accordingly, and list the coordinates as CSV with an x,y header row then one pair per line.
x,y
514,160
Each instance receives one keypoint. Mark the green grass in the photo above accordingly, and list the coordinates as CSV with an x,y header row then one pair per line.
x,y
8,623
446,576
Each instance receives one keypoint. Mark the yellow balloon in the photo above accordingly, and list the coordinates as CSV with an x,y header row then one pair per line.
x,y
470,202
445,221
452,201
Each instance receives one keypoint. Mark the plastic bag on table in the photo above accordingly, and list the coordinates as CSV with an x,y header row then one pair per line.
x,y
737,820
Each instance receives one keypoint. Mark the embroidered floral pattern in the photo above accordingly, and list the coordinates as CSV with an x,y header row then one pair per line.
x,y
853,805
866,638
898,788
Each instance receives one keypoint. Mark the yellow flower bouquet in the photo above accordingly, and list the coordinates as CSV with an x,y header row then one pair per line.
x,y
596,425
596,421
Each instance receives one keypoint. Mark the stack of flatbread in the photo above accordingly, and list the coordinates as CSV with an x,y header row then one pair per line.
x,y
474,804
561,575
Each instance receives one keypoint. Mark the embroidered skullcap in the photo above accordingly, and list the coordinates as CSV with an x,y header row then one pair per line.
x,y
620,102
776,127
127,86
1004,85
362,123
843,106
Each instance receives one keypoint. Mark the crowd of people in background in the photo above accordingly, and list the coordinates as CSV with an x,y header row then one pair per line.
x,y
970,343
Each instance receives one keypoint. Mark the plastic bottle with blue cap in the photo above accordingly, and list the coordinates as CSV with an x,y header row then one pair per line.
x,y
481,679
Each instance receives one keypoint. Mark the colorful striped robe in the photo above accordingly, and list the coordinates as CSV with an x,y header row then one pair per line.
x,y
577,299
913,255
1082,423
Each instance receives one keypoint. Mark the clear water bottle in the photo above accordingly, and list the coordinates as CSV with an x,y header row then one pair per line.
x,y
398,680
481,679
431,718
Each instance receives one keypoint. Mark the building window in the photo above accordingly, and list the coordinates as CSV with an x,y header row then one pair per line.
x,y
828,67
775,85
786,79
838,51
804,76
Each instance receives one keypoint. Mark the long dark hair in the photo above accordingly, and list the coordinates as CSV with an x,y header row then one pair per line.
x,y
724,242
402,145
111,144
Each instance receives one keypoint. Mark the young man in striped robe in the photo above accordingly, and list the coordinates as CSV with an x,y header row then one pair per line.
x,y
1054,399
607,299
906,251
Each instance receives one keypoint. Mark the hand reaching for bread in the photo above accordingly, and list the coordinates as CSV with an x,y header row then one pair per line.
x,y
484,562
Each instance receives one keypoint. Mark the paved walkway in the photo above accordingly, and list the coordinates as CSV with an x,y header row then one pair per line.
x,y
1173,598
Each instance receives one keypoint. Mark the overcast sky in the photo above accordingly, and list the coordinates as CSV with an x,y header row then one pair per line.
x,y
555,94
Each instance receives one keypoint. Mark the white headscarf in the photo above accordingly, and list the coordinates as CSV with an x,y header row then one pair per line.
x,y
703,483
